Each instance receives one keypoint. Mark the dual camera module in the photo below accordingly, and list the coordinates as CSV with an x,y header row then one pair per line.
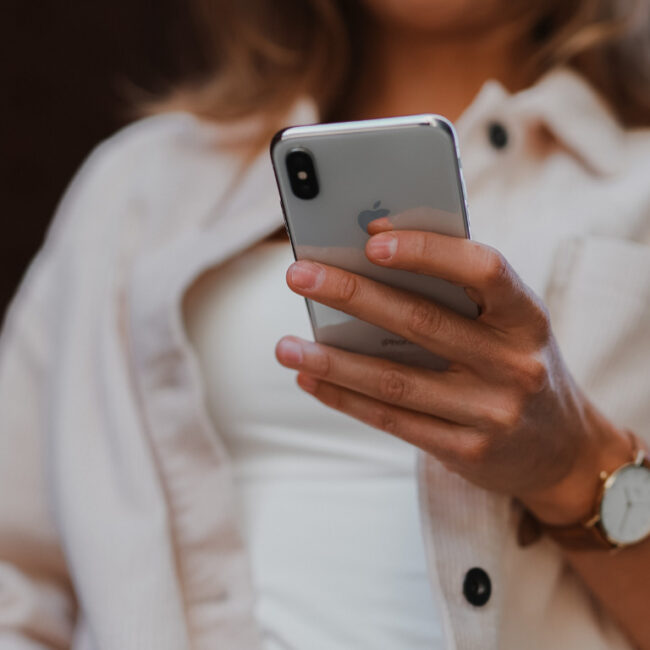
x,y
302,174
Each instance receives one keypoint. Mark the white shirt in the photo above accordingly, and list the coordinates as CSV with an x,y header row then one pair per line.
x,y
118,523
328,505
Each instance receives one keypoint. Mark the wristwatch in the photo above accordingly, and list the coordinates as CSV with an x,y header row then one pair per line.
x,y
621,516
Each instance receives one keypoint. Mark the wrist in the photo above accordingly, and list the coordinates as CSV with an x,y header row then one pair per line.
x,y
573,498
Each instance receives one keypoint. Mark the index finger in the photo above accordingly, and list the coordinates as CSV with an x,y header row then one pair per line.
x,y
490,280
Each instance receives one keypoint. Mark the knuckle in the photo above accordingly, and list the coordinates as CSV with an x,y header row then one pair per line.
x,y
476,450
487,417
498,416
508,418
533,375
322,364
542,322
495,267
332,396
348,288
527,372
422,249
392,385
424,319
385,419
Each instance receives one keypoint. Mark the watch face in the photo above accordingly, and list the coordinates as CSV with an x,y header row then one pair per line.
x,y
625,508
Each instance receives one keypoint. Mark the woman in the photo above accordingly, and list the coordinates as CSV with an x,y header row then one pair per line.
x,y
164,483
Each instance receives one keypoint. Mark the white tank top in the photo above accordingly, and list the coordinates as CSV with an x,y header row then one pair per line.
x,y
328,505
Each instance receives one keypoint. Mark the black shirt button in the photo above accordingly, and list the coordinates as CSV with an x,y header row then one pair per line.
x,y
498,135
477,587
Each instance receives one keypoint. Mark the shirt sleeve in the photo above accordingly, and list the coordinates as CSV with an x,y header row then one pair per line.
x,y
61,408
600,309
37,607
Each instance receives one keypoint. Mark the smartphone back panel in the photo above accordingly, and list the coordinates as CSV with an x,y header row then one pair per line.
x,y
405,168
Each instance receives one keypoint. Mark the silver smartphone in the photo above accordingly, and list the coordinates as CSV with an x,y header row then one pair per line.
x,y
336,178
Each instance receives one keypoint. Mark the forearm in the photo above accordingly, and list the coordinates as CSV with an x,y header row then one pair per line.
x,y
620,581
618,578
506,414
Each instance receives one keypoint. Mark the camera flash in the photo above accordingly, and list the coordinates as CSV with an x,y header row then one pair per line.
x,y
303,175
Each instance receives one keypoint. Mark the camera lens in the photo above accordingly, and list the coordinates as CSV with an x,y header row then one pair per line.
x,y
302,174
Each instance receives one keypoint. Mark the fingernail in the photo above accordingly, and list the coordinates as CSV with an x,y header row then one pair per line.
x,y
307,383
306,275
290,352
382,247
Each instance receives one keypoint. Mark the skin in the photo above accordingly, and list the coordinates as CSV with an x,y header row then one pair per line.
x,y
506,414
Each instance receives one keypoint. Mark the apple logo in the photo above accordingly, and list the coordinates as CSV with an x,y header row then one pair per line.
x,y
366,216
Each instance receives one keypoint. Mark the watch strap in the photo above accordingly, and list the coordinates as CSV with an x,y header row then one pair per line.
x,y
579,537
575,537
583,536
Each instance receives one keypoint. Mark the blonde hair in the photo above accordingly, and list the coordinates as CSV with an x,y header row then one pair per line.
x,y
263,54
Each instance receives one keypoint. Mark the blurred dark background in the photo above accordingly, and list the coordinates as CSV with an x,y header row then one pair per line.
x,y
70,73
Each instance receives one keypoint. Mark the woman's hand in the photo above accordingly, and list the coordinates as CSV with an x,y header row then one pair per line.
x,y
505,414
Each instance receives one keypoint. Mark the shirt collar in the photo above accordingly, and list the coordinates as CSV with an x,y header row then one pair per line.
x,y
567,106
562,101
576,116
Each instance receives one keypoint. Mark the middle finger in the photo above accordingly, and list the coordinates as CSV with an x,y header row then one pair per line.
x,y
413,317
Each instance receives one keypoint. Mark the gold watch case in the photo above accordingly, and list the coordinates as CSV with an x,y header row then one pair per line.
x,y
609,498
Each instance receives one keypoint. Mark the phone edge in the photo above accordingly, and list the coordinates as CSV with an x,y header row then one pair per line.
x,y
359,126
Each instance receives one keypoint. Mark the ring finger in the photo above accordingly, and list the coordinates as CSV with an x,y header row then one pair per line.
x,y
445,440
445,395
